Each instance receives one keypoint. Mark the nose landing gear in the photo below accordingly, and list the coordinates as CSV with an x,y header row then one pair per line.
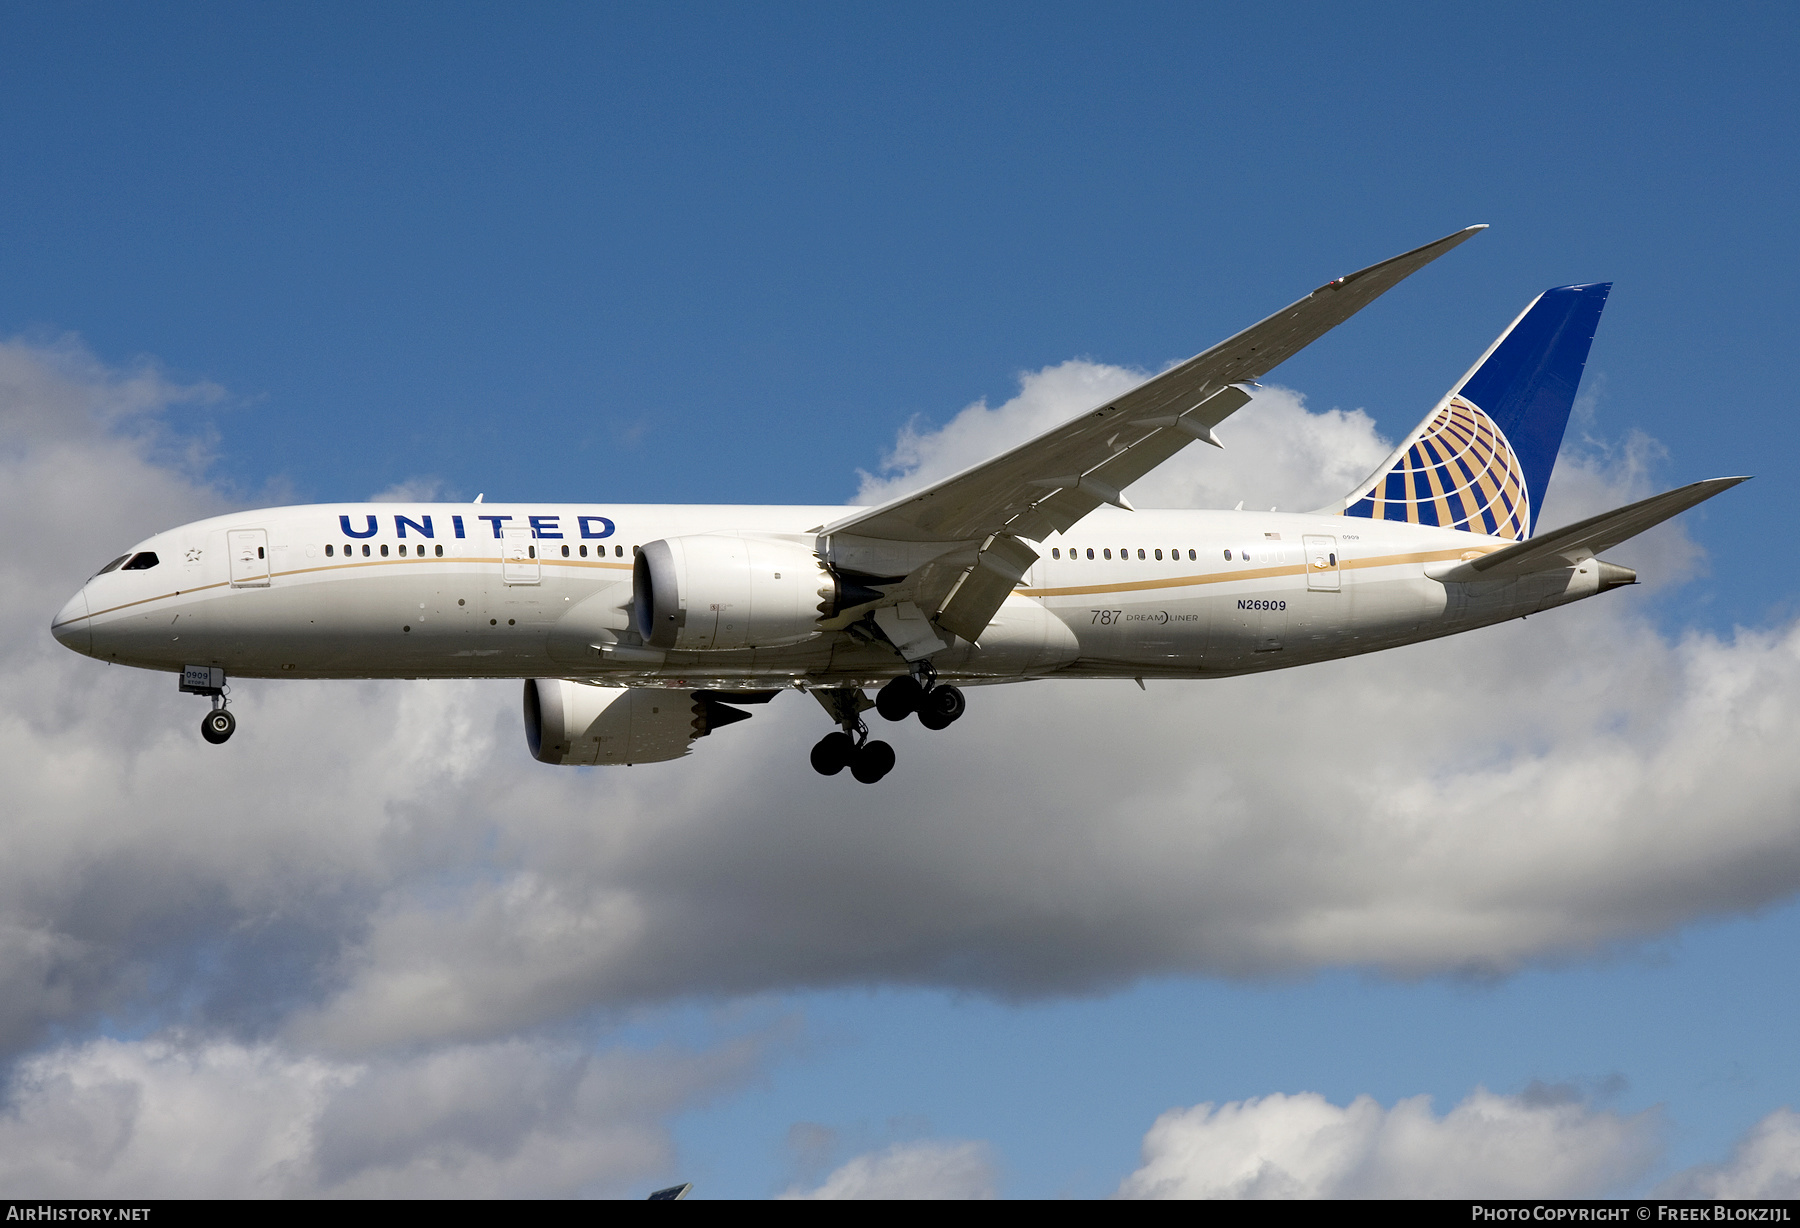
x,y
218,725
209,680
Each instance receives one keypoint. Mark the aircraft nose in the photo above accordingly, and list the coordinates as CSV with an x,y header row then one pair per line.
x,y
71,627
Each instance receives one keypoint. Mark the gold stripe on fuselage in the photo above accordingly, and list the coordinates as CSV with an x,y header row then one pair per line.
x,y
1254,573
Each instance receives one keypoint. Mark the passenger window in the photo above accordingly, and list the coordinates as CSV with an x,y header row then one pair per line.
x,y
1090,552
1193,556
565,552
327,549
384,549
440,551
1228,556
1159,556
1141,553
584,552
148,559
1055,553
366,550
1107,553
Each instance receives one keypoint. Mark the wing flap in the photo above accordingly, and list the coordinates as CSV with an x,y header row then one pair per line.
x,y
984,587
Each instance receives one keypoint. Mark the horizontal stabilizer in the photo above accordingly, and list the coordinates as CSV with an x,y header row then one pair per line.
x,y
1583,540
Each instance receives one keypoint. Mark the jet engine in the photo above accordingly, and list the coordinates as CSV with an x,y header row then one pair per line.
x,y
711,591
573,722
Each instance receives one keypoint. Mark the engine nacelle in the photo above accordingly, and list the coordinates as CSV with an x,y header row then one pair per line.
x,y
571,722
714,591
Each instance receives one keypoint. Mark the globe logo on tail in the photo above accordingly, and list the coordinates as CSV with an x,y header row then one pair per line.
x,y
1459,473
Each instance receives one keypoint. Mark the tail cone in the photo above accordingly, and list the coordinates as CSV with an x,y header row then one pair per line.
x,y
1614,576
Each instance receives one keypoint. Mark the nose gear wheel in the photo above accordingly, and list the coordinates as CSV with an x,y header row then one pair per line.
x,y
218,725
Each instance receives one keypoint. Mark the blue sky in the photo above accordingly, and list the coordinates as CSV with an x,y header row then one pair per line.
x,y
724,254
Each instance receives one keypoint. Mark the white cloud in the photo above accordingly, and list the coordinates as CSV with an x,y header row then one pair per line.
x,y
1303,1146
222,1119
923,454
1566,818
370,868
929,1169
1276,454
1764,1164
411,490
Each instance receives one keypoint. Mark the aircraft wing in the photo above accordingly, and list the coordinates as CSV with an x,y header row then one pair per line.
x,y
1585,539
1048,484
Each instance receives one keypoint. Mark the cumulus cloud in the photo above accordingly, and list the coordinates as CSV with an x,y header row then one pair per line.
x,y
411,490
223,1119
1303,1146
1580,810
1764,1164
1277,453
377,868
928,1169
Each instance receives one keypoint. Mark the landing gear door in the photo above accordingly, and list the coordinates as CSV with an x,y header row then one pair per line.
x,y
1322,574
519,563
249,551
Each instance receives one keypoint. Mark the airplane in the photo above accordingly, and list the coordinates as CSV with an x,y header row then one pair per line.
x,y
639,629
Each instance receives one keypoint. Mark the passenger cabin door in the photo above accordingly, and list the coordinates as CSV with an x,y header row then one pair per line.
x,y
519,563
1322,574
249,551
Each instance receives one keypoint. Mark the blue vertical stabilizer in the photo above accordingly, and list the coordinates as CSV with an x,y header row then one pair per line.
x,y
1481,459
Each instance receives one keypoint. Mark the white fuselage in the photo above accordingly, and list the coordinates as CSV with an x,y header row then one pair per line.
x,y
425,592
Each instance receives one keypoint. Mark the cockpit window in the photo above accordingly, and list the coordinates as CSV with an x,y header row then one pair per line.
x,y
142,561
112,566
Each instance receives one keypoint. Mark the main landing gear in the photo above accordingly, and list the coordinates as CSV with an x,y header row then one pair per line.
x,y
209,680
867,760
851,748
938,706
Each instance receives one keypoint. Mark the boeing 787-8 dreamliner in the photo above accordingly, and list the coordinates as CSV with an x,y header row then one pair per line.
x,y
641,628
